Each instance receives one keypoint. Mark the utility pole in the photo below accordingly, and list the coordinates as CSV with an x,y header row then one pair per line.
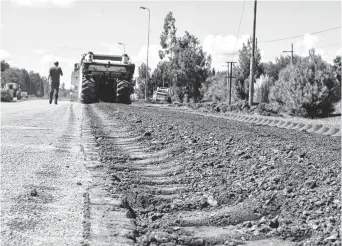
x,y
251,76
230,77
148,44
227,77
30,85
290,51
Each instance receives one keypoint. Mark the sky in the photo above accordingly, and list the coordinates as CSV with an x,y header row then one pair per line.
x,y
35,33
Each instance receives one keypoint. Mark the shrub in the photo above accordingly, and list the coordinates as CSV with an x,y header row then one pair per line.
x,y
177,94
268,109
216,89
308,89
262,89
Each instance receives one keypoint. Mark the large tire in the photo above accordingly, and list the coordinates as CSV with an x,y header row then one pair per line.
x,y
5,95
124,89
88,91
18,94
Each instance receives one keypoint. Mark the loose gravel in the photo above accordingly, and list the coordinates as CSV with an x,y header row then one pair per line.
x,y
190,179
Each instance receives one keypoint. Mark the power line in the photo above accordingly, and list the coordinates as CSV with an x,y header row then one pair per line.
x,y
237,36
298,36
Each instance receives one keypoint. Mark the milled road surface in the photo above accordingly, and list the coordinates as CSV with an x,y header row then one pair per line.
x,y
111,174
191,179
43,179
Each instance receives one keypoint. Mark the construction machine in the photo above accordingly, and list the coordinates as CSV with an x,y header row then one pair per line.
x,y
10,91
162,94
103,78
14,89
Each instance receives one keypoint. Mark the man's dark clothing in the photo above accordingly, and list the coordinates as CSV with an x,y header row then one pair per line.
x,y
52,89
55,73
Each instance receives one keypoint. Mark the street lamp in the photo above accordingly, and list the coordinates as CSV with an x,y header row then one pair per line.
x,y
124,47
148,44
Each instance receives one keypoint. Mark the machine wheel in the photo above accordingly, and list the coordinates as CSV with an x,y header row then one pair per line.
x,y
18,94
88,93
5,95
11,91
123,92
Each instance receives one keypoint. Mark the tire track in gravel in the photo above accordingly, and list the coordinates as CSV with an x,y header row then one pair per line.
x,y
155,185
105,220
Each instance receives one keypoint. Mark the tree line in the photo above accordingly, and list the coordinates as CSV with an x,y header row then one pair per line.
x,y
308,87
31,82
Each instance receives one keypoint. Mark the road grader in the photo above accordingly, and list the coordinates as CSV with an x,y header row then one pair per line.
x,y
103,78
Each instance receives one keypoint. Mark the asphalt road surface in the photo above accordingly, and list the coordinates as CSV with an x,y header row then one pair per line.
x,y
43,179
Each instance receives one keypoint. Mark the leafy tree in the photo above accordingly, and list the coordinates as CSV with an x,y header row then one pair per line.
x,y
337,68
25,80
272,69
160,75
37,86
168,41
141,80
262,88
45,85
187,65
215,88
191,65
15,75
168,37
29,82
34,81
4,65
243,70
9,76
309,88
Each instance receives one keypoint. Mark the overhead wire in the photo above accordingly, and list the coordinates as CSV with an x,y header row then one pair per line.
x,y
299,36
237,36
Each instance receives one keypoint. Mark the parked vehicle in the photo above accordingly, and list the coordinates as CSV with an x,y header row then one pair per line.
x,y
162,94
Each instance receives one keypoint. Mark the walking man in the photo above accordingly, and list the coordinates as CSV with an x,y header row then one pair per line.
x,y
54,74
